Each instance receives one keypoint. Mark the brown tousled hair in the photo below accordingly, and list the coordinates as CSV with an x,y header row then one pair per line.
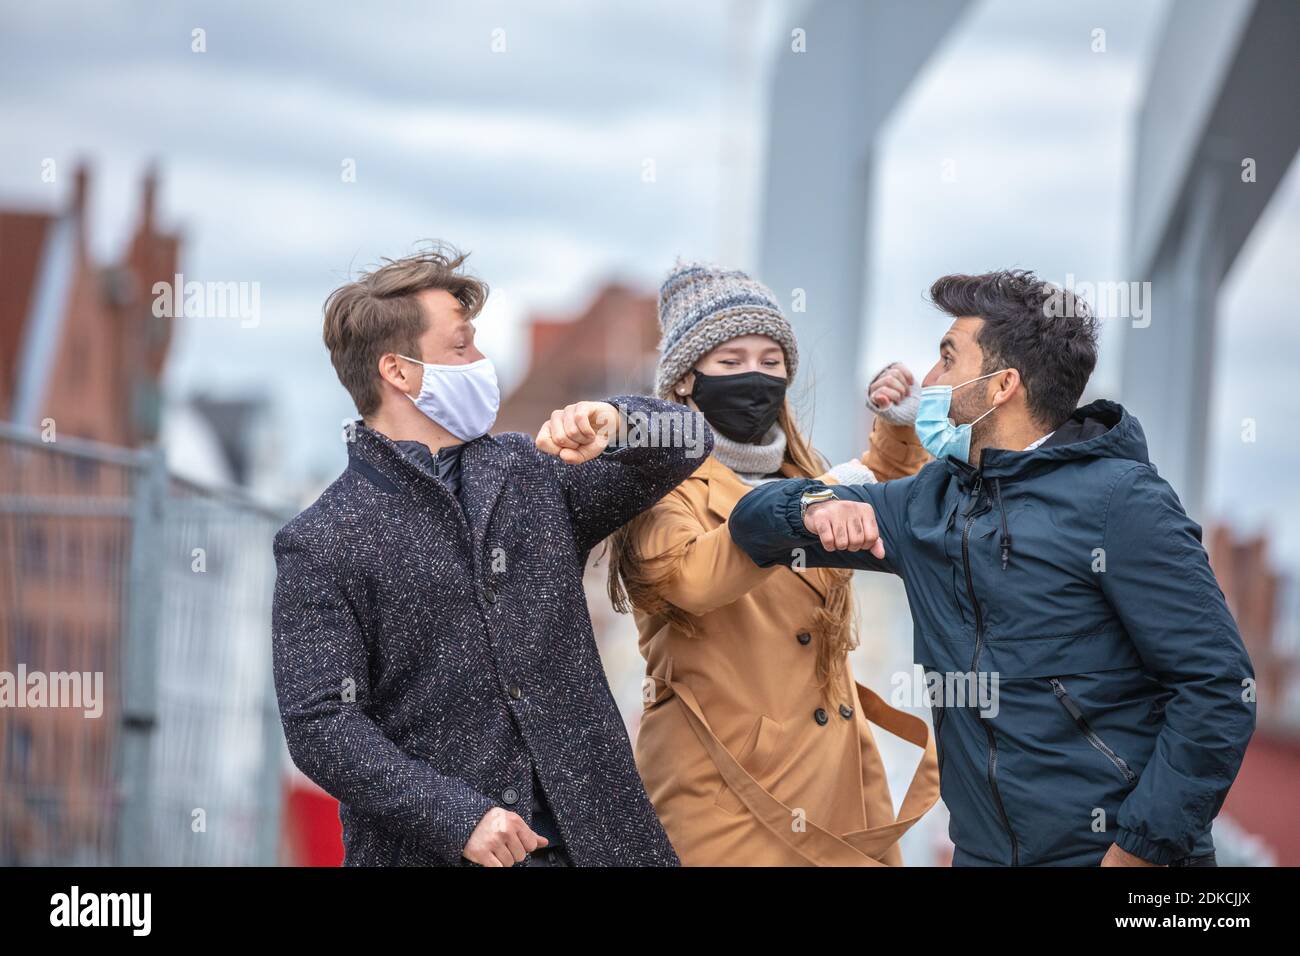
x,y
378,313
632,585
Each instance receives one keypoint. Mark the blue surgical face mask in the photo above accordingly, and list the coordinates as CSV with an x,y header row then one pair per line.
x,y
936,432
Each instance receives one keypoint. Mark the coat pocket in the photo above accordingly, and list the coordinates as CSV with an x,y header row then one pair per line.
x,y
1089,734
755,756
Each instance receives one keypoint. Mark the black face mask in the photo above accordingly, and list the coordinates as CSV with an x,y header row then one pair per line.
x,y
741,406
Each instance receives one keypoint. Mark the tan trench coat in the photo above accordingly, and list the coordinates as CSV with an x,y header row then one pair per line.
x,y
746,762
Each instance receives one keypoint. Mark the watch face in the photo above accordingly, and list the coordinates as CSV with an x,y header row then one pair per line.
x,y
814,497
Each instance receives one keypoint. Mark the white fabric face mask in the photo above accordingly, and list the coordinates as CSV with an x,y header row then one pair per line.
x,y
461,398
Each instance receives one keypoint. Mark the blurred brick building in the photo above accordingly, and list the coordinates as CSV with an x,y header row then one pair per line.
x,y
79,342
81,356
608,349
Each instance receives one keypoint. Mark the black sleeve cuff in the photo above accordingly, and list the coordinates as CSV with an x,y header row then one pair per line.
x,y
793,512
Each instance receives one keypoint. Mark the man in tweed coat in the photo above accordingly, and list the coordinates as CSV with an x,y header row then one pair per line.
x,y
433,654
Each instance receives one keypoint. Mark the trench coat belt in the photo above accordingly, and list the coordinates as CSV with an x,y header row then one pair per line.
x,y
819,846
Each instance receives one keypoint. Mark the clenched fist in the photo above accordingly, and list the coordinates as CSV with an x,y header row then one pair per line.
x,y
845,526
579,432
891,386
501,839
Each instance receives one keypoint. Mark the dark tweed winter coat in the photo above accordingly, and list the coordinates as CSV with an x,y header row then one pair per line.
x,y
424,662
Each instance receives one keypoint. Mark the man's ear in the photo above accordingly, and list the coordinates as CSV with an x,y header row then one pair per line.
x,y
396,372
1008,384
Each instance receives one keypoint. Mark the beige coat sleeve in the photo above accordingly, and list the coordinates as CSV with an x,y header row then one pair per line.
x,y
894,451
700,570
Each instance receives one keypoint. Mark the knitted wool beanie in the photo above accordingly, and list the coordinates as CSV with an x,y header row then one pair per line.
x,y
701,306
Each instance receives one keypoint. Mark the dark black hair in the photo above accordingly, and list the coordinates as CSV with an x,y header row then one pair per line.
x,y
1044,332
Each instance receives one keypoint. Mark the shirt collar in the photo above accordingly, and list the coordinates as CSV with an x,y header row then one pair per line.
x,y
445,466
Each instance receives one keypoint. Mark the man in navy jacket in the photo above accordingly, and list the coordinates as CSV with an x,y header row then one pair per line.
x,y
1044,558
433,654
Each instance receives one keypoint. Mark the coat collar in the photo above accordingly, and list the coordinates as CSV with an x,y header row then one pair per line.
x,y
1101,429
485,467
725,487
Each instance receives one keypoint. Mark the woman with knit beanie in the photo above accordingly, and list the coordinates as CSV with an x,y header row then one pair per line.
x,y
756,744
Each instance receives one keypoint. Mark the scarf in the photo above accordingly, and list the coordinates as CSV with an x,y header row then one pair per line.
x,y
752,463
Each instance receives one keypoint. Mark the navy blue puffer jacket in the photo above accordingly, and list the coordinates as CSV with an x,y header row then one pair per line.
x,y
1070,579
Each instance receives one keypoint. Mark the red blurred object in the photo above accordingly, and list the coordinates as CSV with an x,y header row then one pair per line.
x,y
313,835
1258,801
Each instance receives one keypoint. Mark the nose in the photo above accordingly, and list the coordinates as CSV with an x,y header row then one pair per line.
x,y
932,376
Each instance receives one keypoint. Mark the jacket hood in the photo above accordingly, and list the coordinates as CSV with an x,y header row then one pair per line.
x,y
1101,429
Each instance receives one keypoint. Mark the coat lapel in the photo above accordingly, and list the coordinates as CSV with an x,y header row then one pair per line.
x,y
726,488
485,467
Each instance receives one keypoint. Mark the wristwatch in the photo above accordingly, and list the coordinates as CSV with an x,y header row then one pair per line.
x,y
812,498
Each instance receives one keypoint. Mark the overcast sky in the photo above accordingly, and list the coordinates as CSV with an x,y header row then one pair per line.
x,y
533,157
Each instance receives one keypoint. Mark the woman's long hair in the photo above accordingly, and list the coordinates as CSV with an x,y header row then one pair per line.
x,y
632,585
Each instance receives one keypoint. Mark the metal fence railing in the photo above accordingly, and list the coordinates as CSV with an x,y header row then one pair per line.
x,y
134,636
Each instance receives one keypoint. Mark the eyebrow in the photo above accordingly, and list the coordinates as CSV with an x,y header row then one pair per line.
x,y
741,350
947,342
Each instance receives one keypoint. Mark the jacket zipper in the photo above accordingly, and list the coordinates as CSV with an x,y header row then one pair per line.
x,y
1082,723
979,642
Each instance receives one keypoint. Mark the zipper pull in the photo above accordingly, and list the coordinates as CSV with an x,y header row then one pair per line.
x,y
974,496
1059,690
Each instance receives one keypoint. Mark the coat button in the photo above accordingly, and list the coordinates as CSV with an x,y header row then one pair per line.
x,y
804,638
516,693
846,711
510,796
490,594
819,715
